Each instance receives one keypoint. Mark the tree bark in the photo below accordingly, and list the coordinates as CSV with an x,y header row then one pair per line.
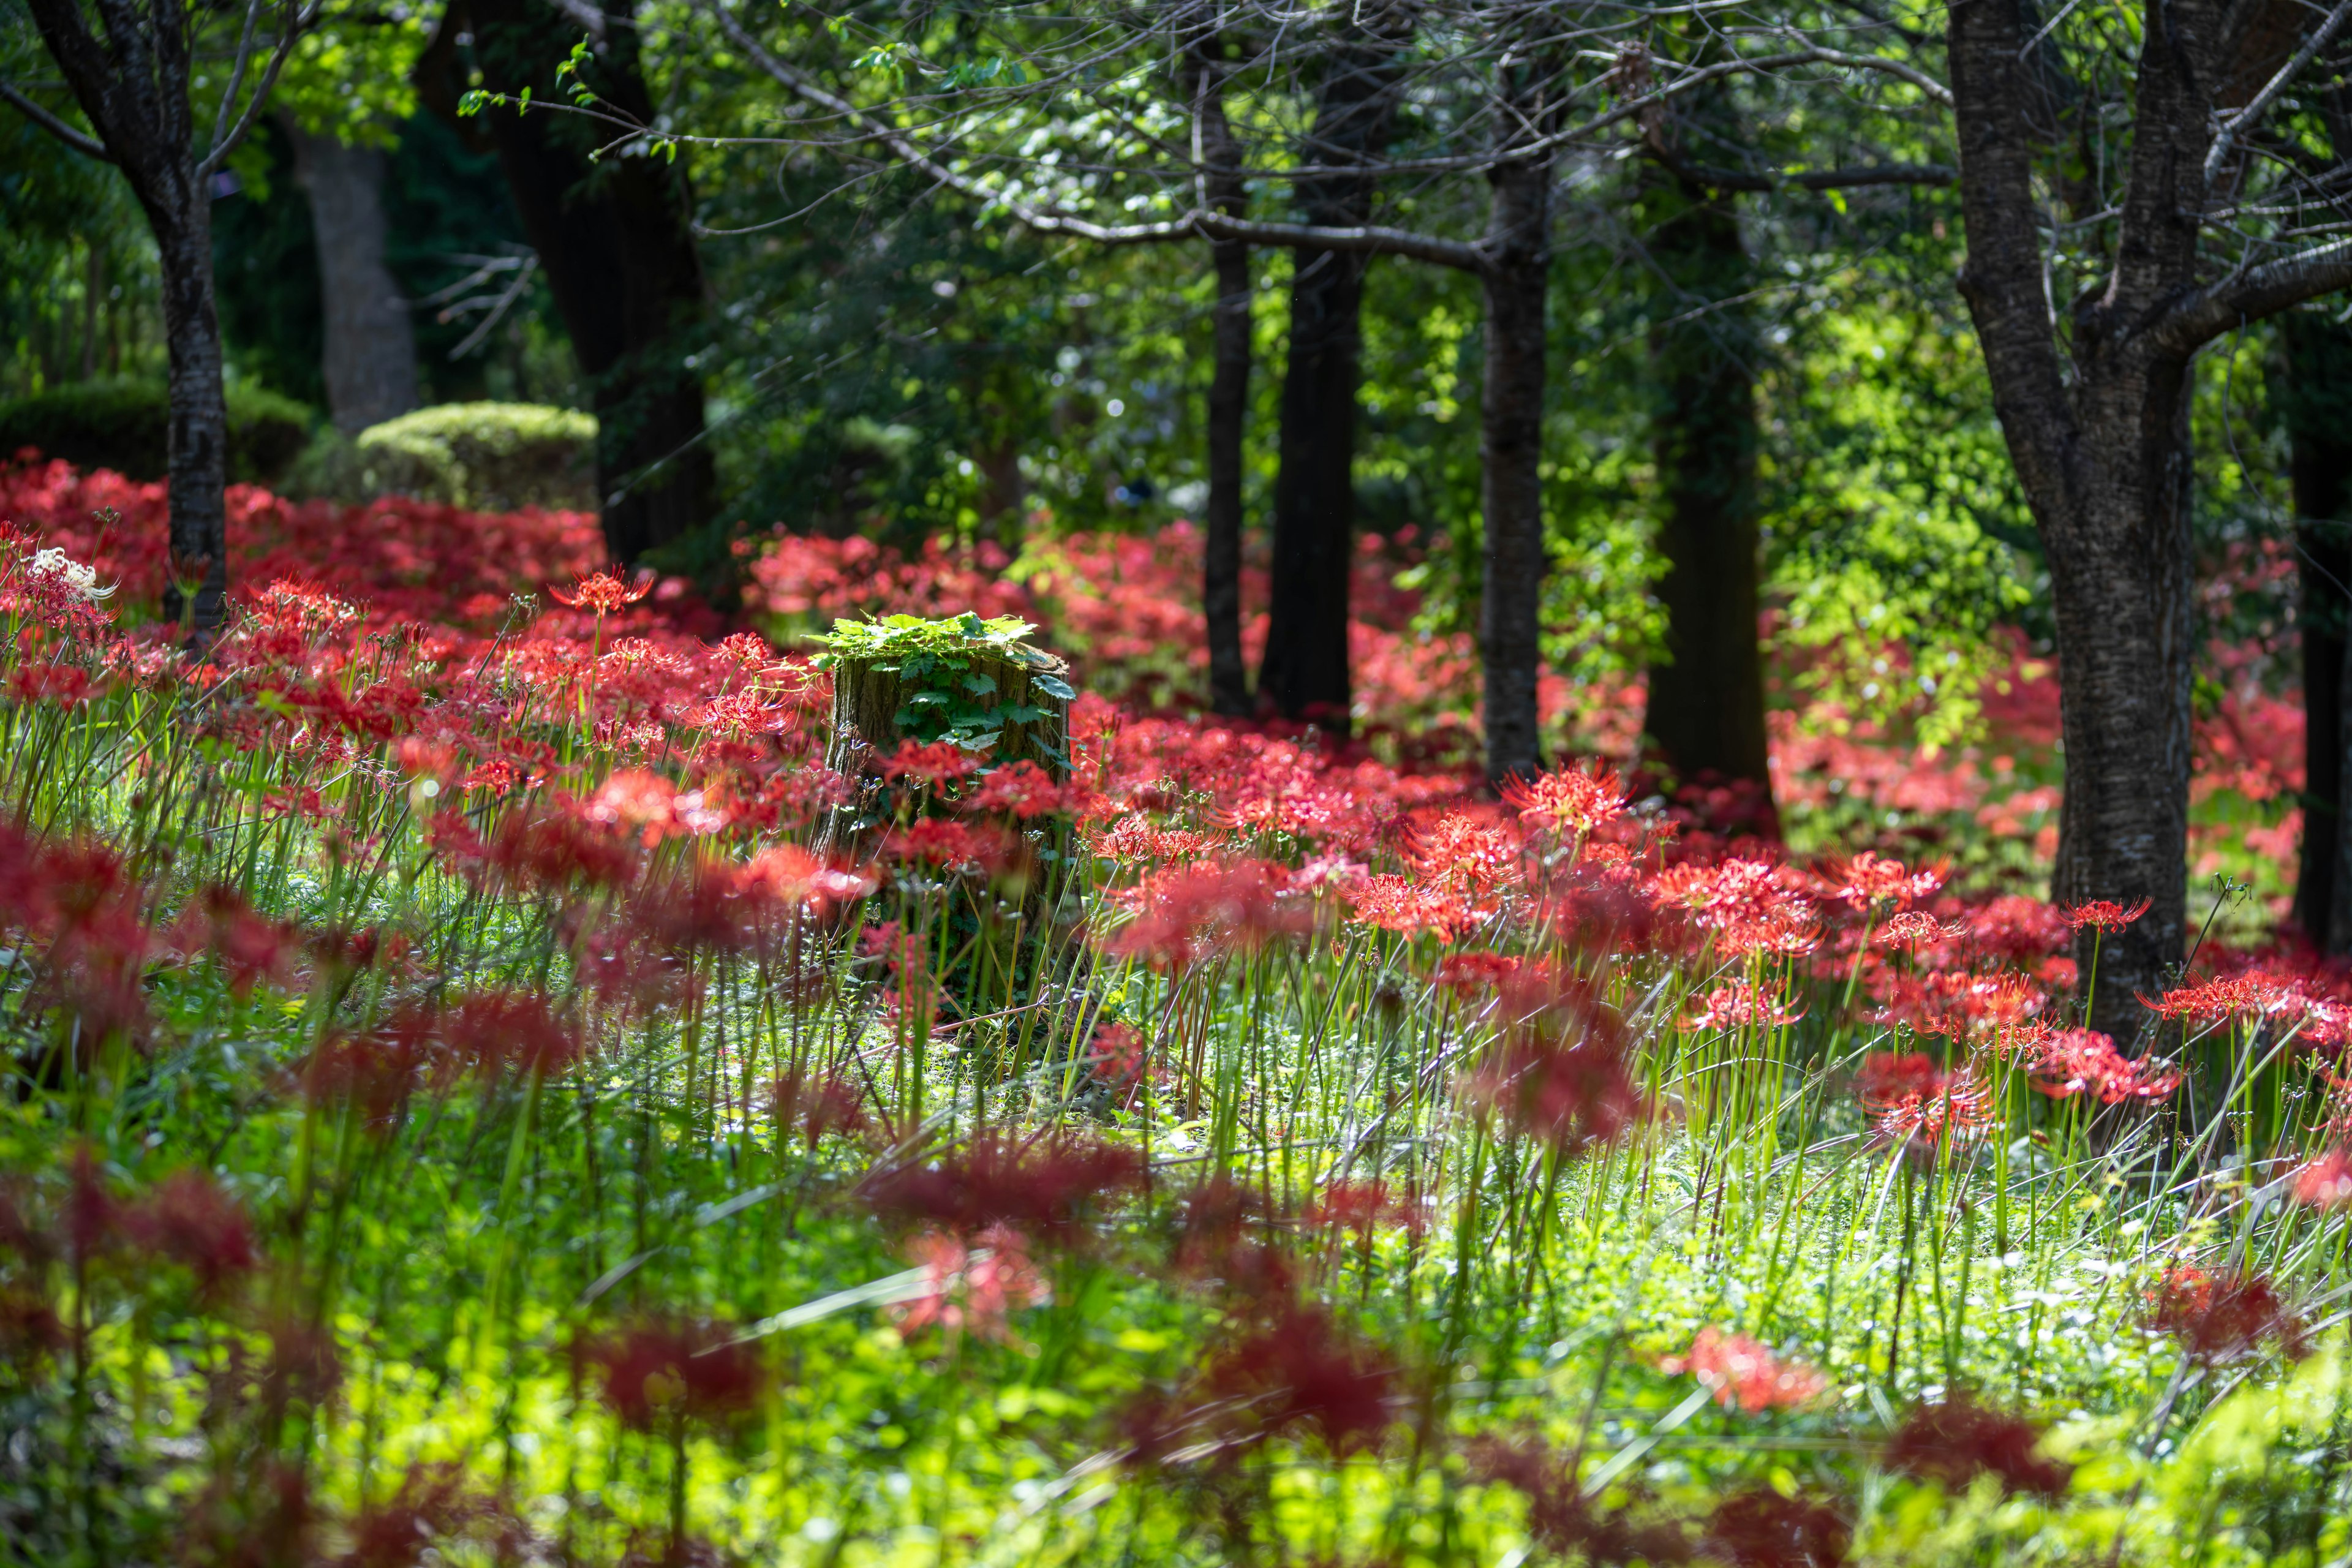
x,y
1511,450
2098,433
1219,156
370,359
1705,713
1305,671
133,89
2315,395
615,239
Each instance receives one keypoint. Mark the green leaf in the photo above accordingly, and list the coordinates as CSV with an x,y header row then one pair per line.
x,y
980,685
1054,686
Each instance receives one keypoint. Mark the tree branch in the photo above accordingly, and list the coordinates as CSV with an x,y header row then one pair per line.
x,y
237,74
2247,116
2251,294
88,146
1454,253
911,153
301,23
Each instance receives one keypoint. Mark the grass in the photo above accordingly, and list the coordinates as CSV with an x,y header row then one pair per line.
x,y
582,1172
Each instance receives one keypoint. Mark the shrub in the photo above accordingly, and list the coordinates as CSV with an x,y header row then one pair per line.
x,y
487,456
121,424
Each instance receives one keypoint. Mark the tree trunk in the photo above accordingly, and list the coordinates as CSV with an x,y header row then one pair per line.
x,y
133,89
1218,155
1511,450
2315,395
2102,453
616,241
1705,713
1305,671
196,443
370,359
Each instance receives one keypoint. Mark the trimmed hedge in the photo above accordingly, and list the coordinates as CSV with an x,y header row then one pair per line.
x,y
121,424
491,457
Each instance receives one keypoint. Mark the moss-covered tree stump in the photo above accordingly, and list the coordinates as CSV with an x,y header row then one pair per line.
x,y
999,927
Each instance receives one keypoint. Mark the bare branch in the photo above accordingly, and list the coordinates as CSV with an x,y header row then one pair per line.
x,y
88,146
237,74
2252,293
301,24
1454,253
2247,116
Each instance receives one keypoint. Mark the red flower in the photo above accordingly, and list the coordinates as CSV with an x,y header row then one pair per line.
x,y
1741,1004
2222,1317
1744,1374
1889,1077
1571,802
247,947
2103,913
1183,912
940,762
817,1107
1560,1517
1411,909
1045,1188
1119,1056
602,593
1301,1370
937,841
495,1029
1021,789
190,1220
1959,1440
1761,1529
2325,1181
658,1369
1574,1095
1871,879
2073,1061
972,1288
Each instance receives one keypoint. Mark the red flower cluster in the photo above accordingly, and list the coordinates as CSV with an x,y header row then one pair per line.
x,y
1744,1374
1957,1440
2222,1317
658,1370
1043,1188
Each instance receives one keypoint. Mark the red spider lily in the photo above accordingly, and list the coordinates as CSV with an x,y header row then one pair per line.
x,y
793,876
1575,1096
1020,789
817,1106
2222,1317
1465,974
2246,995
1868,881
2068,1062
682,1370
1751,903
1133,838
973,1290
1119,1058
1910,928
2016,928
1571,802
1888,1077
1412,909
1222,1237
434,1506
2325,1181
1301,1369
246,946
497,1028
190,1220
1464,854
937,764
1742,1003
602,593
938,841
1045,1188
1560,1517
552,849
1186,912
376,1072
1959,1440
2103,914
1360,1206
1759,1528
30,1329
1744,1374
